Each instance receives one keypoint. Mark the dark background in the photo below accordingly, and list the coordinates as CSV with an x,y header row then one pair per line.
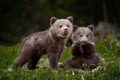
x,y
19,18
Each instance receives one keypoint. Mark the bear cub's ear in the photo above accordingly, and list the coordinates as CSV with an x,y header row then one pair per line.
x,y
70,18
91,27
52,20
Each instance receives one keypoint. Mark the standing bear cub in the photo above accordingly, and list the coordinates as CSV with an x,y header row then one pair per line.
x,y
51,41
83,49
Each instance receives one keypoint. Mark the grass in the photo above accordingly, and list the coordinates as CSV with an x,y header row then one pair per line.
x,y
109,68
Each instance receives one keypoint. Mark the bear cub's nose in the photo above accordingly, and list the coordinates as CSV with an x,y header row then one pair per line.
x,y
66,29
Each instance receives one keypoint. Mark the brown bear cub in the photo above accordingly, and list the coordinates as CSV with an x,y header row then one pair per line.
x,y
83,49
51,41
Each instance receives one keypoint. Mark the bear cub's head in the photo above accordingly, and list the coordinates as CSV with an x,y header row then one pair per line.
x,y
61,28
81,34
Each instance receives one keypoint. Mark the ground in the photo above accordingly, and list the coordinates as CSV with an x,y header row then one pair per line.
x,y
109,68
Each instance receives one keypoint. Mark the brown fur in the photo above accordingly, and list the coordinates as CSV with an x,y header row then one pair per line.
x,y
83,53
83,34
51,41
83,49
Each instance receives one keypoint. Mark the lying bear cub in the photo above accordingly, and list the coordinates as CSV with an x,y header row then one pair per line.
x,y
83,53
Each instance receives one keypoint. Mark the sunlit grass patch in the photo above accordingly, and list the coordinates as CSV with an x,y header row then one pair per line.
x,y
109,68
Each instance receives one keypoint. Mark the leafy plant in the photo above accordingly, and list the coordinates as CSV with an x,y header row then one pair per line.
x,y
108,69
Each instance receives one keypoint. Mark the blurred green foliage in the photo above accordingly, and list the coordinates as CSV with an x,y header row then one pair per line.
x,y
20,18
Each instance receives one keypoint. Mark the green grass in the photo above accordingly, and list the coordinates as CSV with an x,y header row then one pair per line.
x,y
109,68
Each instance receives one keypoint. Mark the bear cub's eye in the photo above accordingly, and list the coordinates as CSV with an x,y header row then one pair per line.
x,y
67,25
86,35
60,26
80,35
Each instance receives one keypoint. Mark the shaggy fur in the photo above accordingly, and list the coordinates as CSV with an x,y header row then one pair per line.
x,y
51,41
83,49
83,53
83,34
